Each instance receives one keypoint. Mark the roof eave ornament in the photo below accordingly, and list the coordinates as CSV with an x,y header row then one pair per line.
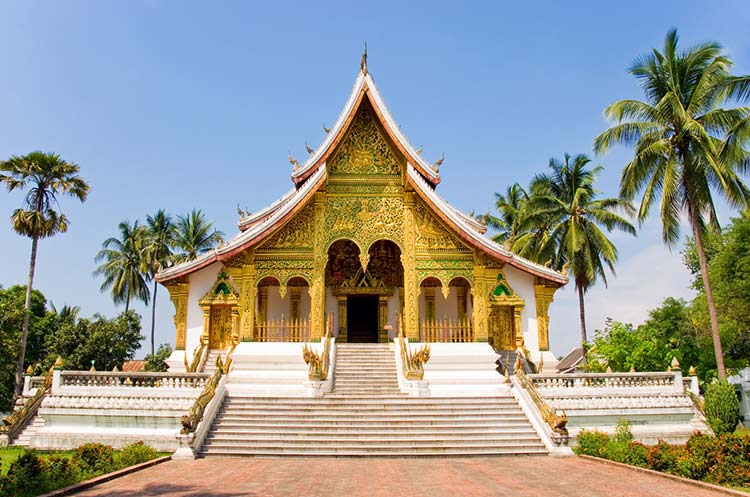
x,y
363,62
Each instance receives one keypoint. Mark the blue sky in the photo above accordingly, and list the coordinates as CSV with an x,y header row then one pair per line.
x,y
176,104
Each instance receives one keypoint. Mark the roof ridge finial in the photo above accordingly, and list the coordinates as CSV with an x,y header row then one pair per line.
x,y
363,62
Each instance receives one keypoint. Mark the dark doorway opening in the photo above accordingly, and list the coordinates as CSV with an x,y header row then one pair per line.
x,y
362,318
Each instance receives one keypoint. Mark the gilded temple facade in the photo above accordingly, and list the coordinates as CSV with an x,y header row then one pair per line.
x,y
363,244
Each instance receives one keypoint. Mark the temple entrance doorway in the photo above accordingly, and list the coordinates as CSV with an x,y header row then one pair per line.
x,y
362,318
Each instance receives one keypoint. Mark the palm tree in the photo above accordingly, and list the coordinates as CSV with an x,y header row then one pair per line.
x,y
194,235
687,147
122,265
565,204
157,253
47,175
510,207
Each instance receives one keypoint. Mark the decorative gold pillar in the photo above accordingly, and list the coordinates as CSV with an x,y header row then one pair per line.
x,y
178,294
247,303
517,327
235,324
382,318
206,322
262,304
408,260
544,296
317,287
342,336
481,310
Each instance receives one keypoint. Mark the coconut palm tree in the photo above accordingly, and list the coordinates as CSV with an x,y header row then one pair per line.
x,y
564,202
157,254
510,206
122,265
47,176
194,235
687,146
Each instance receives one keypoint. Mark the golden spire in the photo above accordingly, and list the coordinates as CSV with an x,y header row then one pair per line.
x,y
363,62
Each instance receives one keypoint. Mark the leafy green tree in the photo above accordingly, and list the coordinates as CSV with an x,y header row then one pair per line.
x,y
157,254
565,203
123,265
41,323
44,176
510,207
100,341
194,235
157,362
687,147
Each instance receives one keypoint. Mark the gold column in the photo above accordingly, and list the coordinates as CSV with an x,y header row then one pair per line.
x,y
247,303
408,259
206,323
342,336
178,294
317,288
235,323
481,310
517,328
544,296
382,319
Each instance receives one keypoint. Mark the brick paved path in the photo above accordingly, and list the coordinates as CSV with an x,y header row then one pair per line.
x,y
475,477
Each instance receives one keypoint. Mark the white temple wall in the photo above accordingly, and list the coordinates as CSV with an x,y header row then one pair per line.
x,y
523,284
200,283
394,309
279,308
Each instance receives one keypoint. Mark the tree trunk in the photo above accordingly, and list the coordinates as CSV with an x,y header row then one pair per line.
x,y
582,316
25,328
718,352
153,317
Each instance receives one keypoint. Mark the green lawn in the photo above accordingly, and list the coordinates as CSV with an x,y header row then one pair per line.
x,y
10,454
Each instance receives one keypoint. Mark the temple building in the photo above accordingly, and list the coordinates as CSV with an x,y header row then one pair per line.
x,y
362,241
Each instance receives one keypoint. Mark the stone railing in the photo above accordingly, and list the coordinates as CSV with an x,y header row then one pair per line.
x,y
16,420
556,422
131,380
607,380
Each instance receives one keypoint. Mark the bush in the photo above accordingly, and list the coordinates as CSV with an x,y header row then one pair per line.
x,y
592,443
136,453
94,458
722,407
25,475
663,457
59,472
731,461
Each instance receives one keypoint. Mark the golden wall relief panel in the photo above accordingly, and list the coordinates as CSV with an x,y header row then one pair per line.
x,y
178,294
365,148
364,220
501,335
364,186
297,233
445,276
431,234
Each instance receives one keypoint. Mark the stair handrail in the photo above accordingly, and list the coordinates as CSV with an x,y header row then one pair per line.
x,y
199,357
192,419
557,422
319,363
412,363
16,420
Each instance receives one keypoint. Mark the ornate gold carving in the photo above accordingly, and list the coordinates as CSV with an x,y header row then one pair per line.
x,y
297,233
430,233
319,363
178,294
364,149
411,286
364,219
557,422
544,296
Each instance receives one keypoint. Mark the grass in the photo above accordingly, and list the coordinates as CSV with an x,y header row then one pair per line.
x,y
10,454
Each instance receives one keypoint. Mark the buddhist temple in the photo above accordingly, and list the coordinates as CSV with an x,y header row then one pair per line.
x,y
362,239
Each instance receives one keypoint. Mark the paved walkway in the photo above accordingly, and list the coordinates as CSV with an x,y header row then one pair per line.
x,y
434,477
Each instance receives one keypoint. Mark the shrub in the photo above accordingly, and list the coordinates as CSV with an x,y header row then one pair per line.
x,y
731,461
136,453
24,475
59,472
722,407
663,457
592,443
622,432
94,458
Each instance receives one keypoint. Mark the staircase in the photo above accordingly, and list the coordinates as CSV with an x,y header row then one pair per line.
x,y
23,438
366,415
210,365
